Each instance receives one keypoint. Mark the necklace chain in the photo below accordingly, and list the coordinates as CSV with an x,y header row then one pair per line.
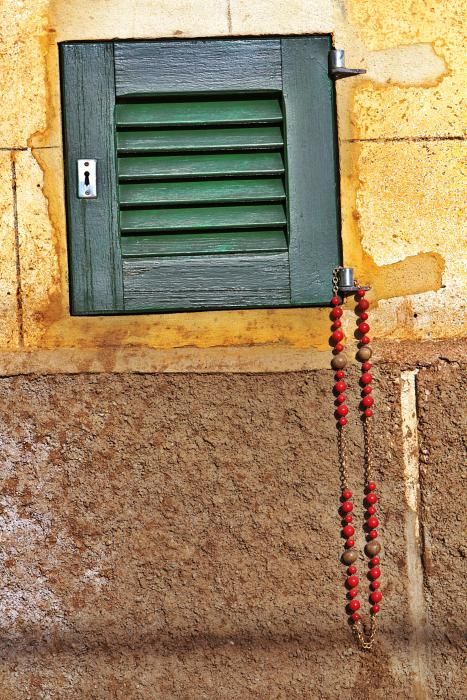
x,y
364,635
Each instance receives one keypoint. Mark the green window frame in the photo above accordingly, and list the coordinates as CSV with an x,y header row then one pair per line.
x,y
217,177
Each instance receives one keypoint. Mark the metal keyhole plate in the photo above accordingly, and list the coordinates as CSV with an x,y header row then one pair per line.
x,y
87,178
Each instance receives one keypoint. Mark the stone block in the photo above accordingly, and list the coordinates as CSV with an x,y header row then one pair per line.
x,y
23,32
139,19
416,66
403,202
281,16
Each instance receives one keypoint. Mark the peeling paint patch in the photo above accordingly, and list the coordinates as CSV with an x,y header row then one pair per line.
x,y
32,603
413,65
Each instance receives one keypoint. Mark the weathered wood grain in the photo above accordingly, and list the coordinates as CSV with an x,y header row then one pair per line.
x,y
204,243
212,165
311,168
204,66
200,191
203,282
198,112
203,218
236,138
88,127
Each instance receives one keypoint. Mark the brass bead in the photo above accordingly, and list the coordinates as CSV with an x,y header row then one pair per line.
x,y
373,548
339,361
350,556
364,354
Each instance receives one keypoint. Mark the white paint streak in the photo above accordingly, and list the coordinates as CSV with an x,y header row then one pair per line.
x,y
416,598
410,439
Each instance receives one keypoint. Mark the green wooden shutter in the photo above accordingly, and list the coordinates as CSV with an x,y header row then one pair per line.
x,y
216,174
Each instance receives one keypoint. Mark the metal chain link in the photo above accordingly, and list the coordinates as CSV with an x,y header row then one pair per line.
x,y
365,639
342,456
335,279
368,450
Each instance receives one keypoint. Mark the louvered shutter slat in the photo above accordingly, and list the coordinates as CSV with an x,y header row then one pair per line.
x,y
213,165
199,139
189,192
204,243
156,114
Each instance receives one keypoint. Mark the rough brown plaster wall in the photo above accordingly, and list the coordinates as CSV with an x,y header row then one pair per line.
x,y
442,430
176,537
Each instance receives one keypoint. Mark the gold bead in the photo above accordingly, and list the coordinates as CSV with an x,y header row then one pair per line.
x,y
350,556
339,361
373,548
364,354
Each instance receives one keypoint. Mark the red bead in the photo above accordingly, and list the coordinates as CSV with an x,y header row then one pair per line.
x,y
374,585
362,305
340,386
336,324
366,378
366,366
363,315
352,581
376,596
373,534
340,374
367,390
372,498
374,573
337,336
352,570
353,593
336,313
368,401
373,522
365,340
348,518
348,531
346,494
350,543
374,561
340,398
347,507
367,412
375,609
338,347
371,510
363,327
342,421
355,604
355,617
335,301
371,486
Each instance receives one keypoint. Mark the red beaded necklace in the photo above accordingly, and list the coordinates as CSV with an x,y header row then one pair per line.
x,y
365,637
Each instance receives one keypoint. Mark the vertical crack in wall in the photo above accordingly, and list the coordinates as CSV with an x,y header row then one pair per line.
x,y
416,597
229,17
19,290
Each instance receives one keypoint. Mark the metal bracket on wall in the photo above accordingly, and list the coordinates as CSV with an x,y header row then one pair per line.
x,y
337,69
346,283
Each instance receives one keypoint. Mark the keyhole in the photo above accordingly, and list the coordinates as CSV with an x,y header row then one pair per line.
x,y
86,178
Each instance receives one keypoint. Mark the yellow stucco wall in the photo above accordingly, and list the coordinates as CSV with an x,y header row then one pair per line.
x,y
401,148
